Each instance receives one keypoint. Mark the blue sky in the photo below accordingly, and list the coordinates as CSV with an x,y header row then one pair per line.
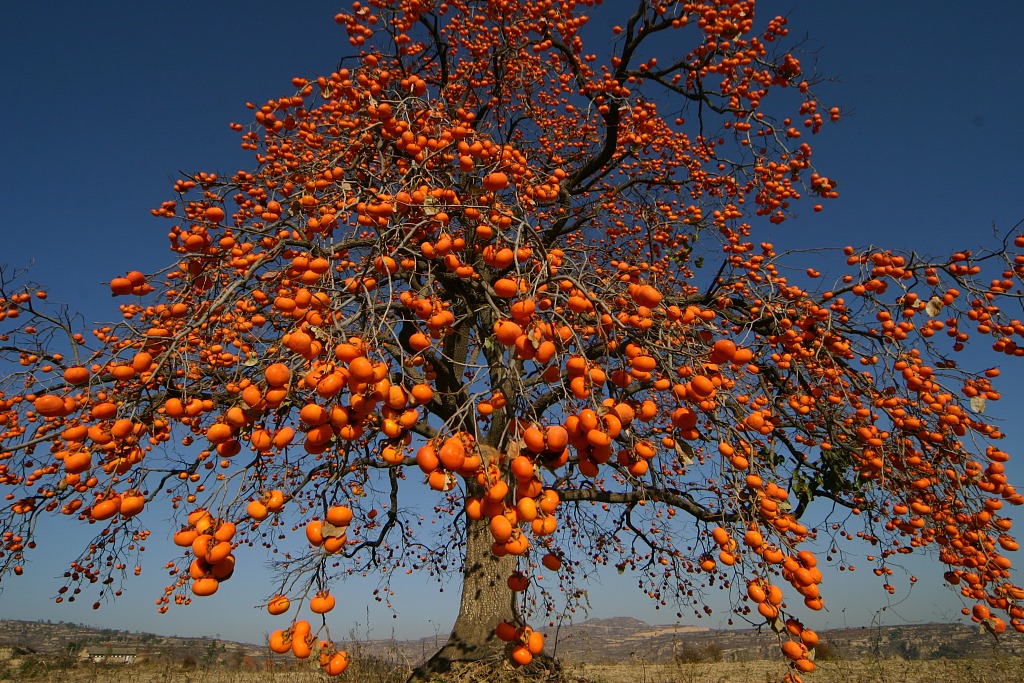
x,y
105,102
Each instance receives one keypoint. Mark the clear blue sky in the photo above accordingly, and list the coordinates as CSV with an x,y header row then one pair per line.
x,y
104,102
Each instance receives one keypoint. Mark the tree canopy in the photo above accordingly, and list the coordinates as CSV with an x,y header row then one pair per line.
x,y
484,258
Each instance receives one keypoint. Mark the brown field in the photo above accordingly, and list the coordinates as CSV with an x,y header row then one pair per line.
x,y
617,650
859,671
997,670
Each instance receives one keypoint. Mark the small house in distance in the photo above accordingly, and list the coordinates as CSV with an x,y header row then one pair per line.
x,y
107,654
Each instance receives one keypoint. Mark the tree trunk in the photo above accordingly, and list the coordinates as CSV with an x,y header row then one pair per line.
x,y
486,601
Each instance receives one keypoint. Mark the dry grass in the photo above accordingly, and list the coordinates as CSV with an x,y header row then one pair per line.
x,y
988,670
857,671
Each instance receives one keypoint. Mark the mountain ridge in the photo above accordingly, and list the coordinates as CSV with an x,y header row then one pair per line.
x,y
607,639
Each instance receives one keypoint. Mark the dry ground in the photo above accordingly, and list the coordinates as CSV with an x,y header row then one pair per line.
x,y
1010,670
999,670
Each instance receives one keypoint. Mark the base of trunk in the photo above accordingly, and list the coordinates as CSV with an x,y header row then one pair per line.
x,y
486,601
496,668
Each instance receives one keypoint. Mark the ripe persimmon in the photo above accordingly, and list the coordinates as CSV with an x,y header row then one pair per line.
x,y
76,375
322,602
452,453
496,181
280,641
809,638
131,504
257,510
522,467
646,295
205,586
535,642
278,374
506,288
521,655
501,528
552,562
518,582
214,214
336,664
361,368
426,458
279,604
301,644
314,532
339,515
106,508
506,631
793,650
507,332
50,406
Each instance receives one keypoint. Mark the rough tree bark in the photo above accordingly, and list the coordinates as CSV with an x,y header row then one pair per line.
x,y
486,600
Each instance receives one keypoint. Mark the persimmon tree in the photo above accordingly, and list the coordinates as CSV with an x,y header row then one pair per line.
x,y
509,252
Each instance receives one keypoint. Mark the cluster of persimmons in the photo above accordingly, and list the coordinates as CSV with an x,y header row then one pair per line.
x,y
482,258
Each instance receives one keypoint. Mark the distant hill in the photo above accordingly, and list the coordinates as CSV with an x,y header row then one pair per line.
x,y
625,638
598,640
